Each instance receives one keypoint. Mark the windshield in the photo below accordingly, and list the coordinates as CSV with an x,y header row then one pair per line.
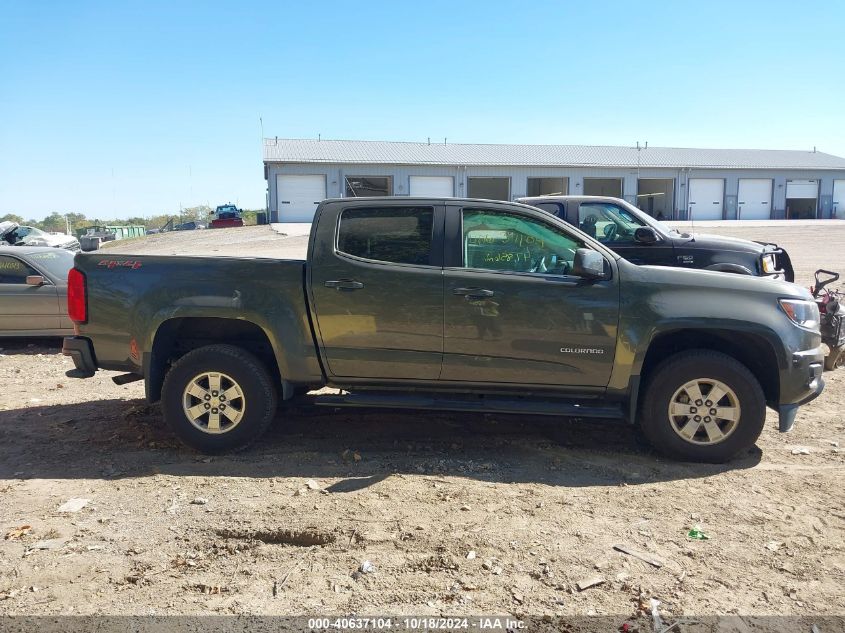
x,y
56,262
23,233
644,219
30,231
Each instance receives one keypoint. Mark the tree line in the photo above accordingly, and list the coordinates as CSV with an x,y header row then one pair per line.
x,y
57,222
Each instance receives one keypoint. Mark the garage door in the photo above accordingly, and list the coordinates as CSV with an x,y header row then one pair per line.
x,y
755,198
433,186
806,189
298,197
706,198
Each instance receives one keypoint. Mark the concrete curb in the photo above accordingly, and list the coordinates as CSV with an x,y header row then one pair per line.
x,y
291,229
294,229
753,223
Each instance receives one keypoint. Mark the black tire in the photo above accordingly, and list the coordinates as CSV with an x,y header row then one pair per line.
x,y
257,403
671,376
835,359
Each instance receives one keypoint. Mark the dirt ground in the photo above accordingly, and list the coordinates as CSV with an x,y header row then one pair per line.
x,y
458,514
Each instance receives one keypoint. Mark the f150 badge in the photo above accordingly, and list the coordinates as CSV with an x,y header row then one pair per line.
x,y
581,350
685,259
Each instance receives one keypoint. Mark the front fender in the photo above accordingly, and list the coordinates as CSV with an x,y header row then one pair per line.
x,y
712,326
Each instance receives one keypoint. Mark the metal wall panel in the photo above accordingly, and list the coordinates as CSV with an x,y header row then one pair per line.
x,y
401,174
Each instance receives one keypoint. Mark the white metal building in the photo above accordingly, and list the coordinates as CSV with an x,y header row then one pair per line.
x,y
669,183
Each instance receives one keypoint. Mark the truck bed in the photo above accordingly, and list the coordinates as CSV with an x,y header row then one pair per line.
x,y
131,297
247,241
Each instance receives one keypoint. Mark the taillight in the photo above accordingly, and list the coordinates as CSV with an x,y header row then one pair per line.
x,y
77,303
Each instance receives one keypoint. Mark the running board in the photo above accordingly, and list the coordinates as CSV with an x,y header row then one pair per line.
x,y
485,404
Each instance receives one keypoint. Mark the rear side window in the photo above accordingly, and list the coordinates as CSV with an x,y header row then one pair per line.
x,y
401,235
14,271
551,207
57,261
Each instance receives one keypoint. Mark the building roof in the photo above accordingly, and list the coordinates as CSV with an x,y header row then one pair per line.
x,y
403,153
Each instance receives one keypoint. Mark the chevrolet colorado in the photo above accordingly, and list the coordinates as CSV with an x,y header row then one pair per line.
x,y
449,304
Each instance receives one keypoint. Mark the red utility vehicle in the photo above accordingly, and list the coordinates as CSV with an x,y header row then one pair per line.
x,y
226,215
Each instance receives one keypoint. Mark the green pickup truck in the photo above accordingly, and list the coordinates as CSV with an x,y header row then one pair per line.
x,y
449,304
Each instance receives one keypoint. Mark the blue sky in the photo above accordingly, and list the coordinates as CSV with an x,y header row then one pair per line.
x,y
133,108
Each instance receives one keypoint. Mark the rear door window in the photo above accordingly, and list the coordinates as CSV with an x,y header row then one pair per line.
x,y
399,235
551,207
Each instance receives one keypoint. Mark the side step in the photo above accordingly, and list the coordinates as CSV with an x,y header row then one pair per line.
x,y
478,403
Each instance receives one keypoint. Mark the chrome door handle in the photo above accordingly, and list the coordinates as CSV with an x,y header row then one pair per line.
x,y
344,284
473,293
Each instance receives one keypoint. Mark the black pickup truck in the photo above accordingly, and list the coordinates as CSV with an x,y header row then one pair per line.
x,y
641,239
450,304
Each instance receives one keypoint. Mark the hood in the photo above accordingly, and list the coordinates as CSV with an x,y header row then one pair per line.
x,y
47,239
722,243
713,282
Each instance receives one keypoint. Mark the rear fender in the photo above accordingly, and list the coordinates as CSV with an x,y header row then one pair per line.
x,y
160,344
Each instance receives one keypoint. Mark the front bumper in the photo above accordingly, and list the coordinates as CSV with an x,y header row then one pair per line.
x,y
81,351
809,365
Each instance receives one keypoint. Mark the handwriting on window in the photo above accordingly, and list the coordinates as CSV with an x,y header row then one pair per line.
x,y
505,238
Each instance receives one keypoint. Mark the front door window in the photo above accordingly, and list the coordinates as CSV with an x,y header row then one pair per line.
x,y
493,240
14,271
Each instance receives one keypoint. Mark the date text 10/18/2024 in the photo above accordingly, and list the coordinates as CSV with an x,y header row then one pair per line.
x,y
417,624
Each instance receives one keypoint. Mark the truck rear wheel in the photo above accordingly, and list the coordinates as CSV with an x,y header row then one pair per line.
x,y
702,406
218,398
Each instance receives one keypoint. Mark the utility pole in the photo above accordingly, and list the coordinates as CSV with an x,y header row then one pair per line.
x,y
639,149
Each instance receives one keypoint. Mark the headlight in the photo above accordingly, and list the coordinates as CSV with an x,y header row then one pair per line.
x,y
802,313
769,264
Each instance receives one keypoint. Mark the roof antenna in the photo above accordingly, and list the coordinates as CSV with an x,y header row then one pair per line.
x,y
814,149
277,140
429,140
319,137
444,140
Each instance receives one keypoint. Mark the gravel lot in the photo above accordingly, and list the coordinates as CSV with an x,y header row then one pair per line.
x,y
458,514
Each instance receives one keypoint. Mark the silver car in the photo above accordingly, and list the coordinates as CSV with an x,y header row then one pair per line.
x,y
33,291
14,234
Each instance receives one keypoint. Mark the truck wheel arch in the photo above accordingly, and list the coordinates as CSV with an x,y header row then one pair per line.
x,y
730,268
752,349
177,336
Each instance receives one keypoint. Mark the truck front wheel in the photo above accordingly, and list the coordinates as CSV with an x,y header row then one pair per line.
x,y
702,406
218,398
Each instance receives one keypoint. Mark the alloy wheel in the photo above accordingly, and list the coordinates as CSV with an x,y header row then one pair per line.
x,y
213,402
704,411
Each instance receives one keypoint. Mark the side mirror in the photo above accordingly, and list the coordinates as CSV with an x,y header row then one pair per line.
x,y
588,264
35,280
645,235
